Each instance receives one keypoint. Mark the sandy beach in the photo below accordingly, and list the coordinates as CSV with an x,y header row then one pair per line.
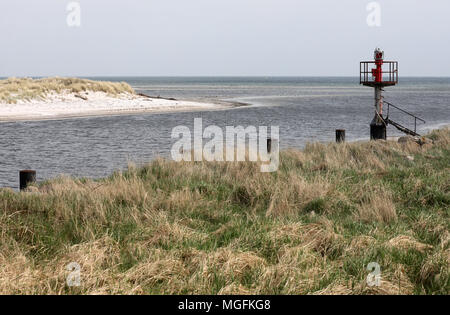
x,y
66,105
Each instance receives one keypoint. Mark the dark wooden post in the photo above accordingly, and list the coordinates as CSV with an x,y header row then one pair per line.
x,y
26,177
340,135
269,145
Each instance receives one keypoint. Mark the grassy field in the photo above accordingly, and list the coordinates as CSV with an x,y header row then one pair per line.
x,y
225,228
16,89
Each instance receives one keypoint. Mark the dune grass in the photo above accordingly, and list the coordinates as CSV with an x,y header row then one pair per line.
x,y
225,228
13,90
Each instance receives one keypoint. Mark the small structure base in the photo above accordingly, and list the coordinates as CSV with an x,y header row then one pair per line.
x,y
377,131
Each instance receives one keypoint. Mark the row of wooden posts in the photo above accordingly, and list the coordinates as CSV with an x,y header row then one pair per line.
x,y
27,177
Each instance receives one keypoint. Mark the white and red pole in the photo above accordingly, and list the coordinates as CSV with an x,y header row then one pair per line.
x,y
378,126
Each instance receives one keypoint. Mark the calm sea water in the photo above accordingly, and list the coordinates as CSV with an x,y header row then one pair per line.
x,y
305,109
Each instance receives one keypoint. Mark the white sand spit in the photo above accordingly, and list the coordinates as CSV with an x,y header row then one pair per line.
x,y
70,104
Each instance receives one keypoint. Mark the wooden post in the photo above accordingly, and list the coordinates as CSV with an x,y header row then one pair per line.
x,y
269,145
26,177
340,135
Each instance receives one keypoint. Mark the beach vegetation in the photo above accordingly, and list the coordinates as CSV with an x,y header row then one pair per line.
x,y
13,90
170,227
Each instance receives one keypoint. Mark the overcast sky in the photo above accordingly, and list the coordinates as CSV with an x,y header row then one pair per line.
x,y
221,37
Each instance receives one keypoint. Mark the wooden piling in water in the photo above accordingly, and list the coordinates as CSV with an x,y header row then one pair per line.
x,y
269,145
340,135
26,177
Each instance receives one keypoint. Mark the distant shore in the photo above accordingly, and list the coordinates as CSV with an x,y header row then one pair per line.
x,y
57,98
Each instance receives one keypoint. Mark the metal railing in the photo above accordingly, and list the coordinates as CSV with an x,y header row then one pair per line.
x,y
390,71
404,111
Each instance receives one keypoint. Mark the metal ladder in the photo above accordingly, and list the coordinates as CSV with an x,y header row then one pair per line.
x,y
399,126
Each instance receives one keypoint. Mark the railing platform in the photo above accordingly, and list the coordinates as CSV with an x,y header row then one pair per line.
x,y
390,73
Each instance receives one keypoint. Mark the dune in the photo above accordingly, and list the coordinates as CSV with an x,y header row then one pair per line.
x,y
51,98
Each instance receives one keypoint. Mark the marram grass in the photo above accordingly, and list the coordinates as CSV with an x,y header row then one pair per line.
x,y
225,228
13,90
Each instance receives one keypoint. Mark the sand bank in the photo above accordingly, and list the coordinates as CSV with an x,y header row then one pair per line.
x,y
64,105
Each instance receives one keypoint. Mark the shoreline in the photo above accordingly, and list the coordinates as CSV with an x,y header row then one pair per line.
x,y
142,163
98,104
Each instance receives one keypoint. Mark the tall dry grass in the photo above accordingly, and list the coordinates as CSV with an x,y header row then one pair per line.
x,y
16,89
225,228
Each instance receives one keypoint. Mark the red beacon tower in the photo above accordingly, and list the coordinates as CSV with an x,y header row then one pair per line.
x,y
378,74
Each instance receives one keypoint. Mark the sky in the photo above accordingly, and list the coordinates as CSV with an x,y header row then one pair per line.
x,y
221,37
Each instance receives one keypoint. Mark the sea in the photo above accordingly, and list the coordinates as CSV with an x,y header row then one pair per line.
x,y
306,109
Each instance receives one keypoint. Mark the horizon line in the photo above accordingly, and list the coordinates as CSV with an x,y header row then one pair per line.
x,y
211,76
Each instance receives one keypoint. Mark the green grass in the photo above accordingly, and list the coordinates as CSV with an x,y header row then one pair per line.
x,y
225,228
